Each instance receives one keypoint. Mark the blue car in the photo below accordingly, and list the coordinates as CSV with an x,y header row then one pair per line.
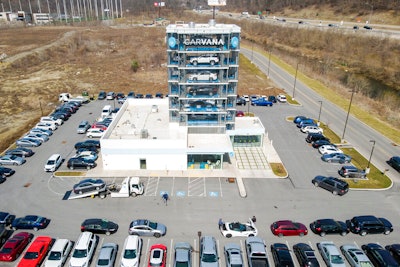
x,y
30,222
261,102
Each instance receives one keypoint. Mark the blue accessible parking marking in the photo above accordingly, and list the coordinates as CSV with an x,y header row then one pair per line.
x,y
180,193
213,194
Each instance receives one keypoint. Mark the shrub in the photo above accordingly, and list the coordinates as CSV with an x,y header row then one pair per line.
x,y
134,65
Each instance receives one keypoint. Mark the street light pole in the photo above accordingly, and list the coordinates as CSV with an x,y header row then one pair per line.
x,y
252,48
372,151
370,15
269,61
348,113
295,79
320,109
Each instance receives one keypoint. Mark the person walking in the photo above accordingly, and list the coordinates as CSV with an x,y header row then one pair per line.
x,y
165,198
220,222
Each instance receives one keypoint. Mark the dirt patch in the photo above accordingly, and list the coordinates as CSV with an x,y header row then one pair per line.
x,y
45,61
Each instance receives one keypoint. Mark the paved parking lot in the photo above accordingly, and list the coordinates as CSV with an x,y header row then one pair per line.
x,y
197,202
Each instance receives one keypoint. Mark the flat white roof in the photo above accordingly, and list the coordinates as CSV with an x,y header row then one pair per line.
x,y
208,28
145,116
210,143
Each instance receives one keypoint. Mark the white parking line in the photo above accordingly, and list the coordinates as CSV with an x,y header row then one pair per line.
x,y
171,251
196,187
152,186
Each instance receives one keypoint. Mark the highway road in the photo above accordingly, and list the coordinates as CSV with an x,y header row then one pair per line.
x,y
357,133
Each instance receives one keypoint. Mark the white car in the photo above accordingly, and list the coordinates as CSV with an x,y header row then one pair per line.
x,y
329,149
355,256
58,122
58,253
89,155
246,97
94,133
41,137
237,229
330,254
46,126
312,129
281,98
204,59
130,255
203,76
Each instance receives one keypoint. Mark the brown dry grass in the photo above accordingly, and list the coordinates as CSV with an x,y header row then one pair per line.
x,y
91,59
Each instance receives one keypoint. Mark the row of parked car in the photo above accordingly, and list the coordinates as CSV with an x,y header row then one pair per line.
x,y
57,251
257,100
38,135
329,153
121,97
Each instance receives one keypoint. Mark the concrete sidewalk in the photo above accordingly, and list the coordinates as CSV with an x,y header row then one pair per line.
x,y
255,164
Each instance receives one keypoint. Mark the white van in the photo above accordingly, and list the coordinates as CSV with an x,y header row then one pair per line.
x,y
53,163
106,111
84,249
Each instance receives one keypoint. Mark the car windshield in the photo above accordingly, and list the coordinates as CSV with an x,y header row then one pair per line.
x,y
55,255
365,264
31,255
103,262
182,264
130,254
153,225
5,251
80,253
209,258
337,259
236,265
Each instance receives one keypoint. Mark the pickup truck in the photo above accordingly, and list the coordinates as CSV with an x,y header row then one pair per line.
x,y
256,252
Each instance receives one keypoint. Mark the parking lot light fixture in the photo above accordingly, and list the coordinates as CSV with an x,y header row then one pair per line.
x,y
372,151
348,113
320,109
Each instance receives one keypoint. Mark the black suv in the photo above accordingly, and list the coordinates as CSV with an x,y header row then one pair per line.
x,y
88,143
99,226
352,172
240,101
80,163
281,254
312,137
332,184
305,255
323,227
369,224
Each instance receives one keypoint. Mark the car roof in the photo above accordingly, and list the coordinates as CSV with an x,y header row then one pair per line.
x,y
131,242
59,244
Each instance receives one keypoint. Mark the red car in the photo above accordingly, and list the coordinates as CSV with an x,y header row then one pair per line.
x,y
287,227
36,252
99,126
14,246
158,256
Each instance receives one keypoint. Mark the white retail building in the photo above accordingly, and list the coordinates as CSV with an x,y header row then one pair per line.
x,y
195,127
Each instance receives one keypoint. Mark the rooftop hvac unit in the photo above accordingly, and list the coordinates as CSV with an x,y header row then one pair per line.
x,y
144,134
